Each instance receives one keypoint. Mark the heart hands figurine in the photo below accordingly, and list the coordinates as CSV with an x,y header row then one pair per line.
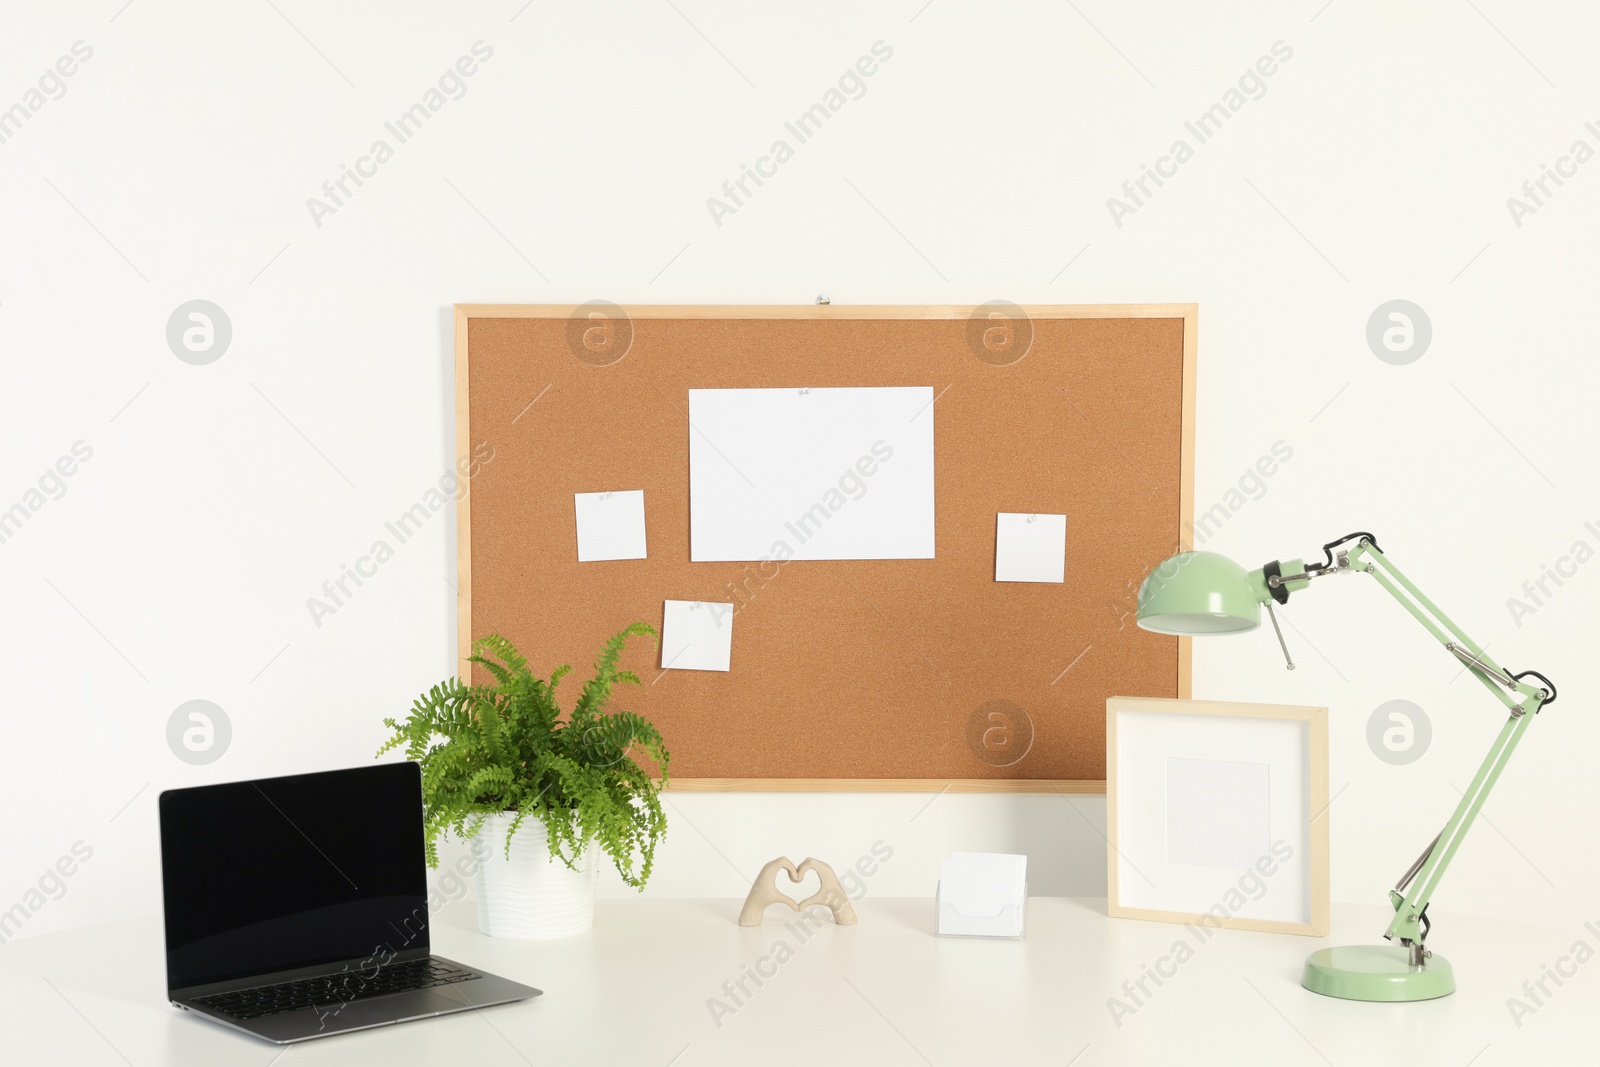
x,y
765,891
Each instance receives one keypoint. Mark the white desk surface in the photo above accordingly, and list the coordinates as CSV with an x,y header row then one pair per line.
x,y
634,991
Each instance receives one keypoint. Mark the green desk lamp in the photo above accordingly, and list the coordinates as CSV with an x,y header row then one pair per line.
x,y
1196,593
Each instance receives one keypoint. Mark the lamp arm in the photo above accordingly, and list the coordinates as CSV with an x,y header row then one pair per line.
x,y
1410,922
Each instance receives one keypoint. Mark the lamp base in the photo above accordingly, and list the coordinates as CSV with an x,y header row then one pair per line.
x,y
1376,972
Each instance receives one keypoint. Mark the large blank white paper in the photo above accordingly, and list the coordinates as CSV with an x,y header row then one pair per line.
x,y
696,635
780,474
610,525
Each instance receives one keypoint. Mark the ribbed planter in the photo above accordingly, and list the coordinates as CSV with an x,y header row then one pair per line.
x,y
530,896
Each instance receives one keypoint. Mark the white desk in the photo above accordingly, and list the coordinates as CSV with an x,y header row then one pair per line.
x,y
635,991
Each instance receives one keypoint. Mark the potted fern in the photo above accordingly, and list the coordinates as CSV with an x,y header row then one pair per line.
x,y
537,794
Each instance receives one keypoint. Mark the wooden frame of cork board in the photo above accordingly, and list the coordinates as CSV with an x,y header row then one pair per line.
x,y
860,675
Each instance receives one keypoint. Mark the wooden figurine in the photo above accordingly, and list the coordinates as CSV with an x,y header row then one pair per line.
x,y
765,891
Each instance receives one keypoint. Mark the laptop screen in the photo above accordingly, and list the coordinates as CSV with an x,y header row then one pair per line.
x,y
298,871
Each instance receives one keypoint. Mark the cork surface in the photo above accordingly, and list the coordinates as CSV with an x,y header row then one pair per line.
x,y
880,669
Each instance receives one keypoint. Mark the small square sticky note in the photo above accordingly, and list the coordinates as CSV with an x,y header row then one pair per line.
x,y
1030,548
610,525
696,635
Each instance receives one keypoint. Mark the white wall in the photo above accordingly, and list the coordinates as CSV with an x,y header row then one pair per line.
x,y
178,163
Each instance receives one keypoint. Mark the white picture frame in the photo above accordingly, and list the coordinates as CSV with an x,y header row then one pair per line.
x,y
1217,814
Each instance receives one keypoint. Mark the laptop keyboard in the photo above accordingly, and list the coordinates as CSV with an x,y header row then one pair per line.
x,y
335,988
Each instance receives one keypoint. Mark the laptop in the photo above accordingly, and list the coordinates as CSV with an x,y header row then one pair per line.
x,y
297,907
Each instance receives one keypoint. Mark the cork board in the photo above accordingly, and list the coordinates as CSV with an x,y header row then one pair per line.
x,y
846,675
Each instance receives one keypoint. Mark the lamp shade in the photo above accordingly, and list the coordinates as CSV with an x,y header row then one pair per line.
x,y
1201,593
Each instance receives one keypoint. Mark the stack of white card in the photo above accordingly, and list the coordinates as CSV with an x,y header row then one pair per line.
x,y
982,894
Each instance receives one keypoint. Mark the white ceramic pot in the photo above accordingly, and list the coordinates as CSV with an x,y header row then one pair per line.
x,y
531,896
